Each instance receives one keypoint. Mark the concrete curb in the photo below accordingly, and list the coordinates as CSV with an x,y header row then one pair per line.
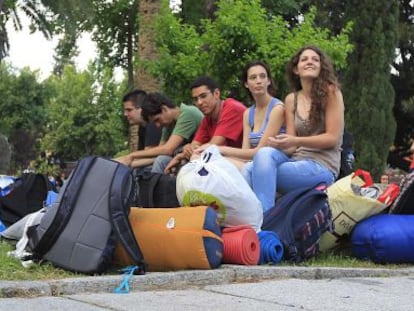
x,y
186,279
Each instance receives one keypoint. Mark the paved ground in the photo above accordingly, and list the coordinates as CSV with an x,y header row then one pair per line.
x,y
388,293
228,288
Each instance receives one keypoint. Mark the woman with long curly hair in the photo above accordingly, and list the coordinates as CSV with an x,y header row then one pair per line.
x,y
309,152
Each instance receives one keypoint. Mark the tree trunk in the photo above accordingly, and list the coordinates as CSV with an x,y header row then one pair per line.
x,y
147,50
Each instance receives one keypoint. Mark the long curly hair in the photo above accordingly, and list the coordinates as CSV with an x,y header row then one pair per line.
x,y
320,86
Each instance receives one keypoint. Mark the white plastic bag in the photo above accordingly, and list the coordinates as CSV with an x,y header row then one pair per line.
x,y
215,181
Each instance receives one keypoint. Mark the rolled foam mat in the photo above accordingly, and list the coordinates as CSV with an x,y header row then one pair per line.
x,y
271,248
240,245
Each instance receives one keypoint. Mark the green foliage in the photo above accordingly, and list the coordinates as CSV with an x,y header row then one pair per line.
x,y
403,76
369,95
83,115
33,10
43,165
192,12
179,59
113,25
242,31
115,29
5,154
237,36
330,14
23,114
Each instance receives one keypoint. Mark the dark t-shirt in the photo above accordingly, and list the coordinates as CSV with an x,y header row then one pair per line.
x,y
149,135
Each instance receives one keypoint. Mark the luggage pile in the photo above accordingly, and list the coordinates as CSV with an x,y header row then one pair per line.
x,y
108,216
389,237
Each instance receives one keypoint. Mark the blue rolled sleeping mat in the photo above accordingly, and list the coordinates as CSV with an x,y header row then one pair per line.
x,y
384,238
271,248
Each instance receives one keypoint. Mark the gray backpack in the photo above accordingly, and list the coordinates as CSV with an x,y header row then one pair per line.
x,y
80,230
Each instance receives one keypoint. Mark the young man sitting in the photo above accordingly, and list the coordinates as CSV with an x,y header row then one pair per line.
x,y
178,123
222,123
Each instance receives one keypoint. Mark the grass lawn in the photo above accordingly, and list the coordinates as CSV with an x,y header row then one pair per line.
x,y
11,268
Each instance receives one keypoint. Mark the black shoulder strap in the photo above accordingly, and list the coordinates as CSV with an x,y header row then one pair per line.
x,y
65,209
119,217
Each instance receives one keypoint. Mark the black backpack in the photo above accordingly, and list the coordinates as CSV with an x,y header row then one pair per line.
x,y
28,194
404,203
299,218
155,190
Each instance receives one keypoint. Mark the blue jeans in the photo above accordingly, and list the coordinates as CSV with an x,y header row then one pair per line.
x,y
160,163
273,171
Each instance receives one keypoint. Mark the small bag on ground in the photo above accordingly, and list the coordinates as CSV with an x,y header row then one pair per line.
x,y
175,238
351,200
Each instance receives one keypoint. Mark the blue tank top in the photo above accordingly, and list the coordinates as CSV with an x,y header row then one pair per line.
x,y
254,137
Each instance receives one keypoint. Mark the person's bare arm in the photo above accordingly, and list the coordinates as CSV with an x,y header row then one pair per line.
x,y
334,123
142,162
239,152
276,120
166,148
188,150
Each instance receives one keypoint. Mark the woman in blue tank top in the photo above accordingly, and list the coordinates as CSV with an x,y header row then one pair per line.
x,y
265,118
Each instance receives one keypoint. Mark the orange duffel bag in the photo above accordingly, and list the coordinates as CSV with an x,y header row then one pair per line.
x,y
175,238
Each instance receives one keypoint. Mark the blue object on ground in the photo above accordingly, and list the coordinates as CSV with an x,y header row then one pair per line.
x,y
6,184
51,198
123,288
2,226
384,238
271,248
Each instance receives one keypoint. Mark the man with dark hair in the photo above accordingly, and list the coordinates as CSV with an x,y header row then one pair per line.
x,y
148,134
178,123
222,123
